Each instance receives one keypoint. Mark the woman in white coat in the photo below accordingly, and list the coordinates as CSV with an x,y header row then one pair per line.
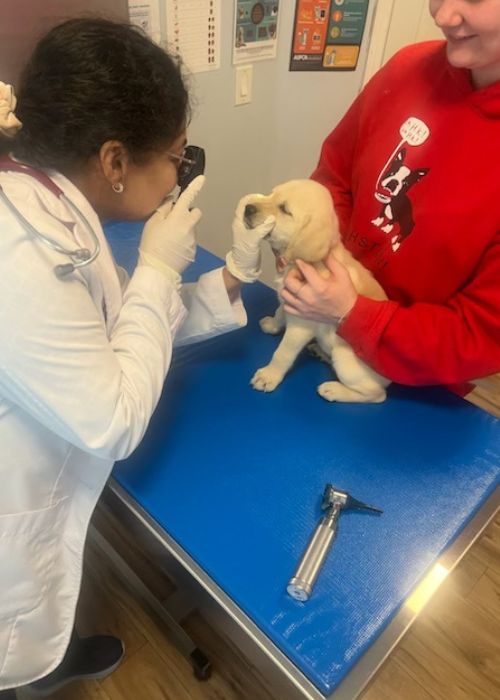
x,y
84,349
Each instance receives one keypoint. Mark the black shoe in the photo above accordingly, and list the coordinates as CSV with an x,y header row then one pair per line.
x,y
89,658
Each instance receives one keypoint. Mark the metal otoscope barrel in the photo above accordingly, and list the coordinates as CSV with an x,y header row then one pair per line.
x,y
301,584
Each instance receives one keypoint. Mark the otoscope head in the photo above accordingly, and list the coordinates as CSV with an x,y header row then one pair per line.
x,y
333,496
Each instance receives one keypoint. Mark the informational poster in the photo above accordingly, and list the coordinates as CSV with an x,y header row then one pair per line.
x,y
327,34
146,14
193,32
255,30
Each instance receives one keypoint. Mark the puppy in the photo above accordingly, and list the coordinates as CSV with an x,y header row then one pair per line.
x,y
307,228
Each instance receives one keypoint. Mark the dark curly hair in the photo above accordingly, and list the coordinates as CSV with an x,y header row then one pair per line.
x,y
91,80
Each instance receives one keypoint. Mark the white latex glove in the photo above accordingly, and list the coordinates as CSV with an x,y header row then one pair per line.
x,y
244,259
168,241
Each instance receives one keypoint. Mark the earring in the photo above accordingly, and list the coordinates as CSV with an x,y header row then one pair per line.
x,y
118,187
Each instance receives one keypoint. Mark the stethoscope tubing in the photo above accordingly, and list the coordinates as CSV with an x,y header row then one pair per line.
x,y
80,257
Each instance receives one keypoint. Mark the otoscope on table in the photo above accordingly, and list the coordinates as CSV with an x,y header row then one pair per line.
x,y
334,502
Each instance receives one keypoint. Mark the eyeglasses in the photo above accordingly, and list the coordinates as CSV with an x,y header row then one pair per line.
x,y
190,164
182,160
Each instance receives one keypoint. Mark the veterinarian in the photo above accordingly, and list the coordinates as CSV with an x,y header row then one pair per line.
x,y
101,120
413,172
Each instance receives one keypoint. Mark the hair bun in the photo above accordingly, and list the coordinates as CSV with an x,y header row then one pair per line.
x,y
9,123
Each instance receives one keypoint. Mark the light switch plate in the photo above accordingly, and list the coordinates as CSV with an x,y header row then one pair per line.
x,y
244,76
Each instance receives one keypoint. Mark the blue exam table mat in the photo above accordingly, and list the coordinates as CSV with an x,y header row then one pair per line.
x,y
235,476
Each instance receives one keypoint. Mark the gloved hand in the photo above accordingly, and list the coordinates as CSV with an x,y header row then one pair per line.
x,y
168,242
244,259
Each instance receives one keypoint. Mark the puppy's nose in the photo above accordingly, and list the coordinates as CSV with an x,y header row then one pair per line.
x,y
250,210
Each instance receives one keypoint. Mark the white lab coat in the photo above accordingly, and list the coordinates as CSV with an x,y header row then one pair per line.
x,y
82,364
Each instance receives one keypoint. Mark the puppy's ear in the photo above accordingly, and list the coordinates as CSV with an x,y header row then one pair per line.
x,y
314,237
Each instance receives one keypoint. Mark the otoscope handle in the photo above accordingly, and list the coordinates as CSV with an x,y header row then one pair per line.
x,y
301,584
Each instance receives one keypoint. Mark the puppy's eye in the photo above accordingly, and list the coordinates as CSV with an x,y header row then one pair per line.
x,y
284,209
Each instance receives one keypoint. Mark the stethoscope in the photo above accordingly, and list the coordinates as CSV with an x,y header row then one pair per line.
x,y
80,257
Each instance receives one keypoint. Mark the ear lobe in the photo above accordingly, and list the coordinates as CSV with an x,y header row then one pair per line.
x,y
313,239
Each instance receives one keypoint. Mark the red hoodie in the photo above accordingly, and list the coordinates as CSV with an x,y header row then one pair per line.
x,y
414,172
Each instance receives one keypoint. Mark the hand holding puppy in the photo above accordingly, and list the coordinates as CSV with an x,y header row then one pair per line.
x,y
306,293
244,259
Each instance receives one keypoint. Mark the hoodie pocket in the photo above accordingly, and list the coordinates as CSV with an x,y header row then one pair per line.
x,y
28,546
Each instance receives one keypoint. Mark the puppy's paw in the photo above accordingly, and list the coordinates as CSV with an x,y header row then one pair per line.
x,y
331,391
335,391
266,378
270,325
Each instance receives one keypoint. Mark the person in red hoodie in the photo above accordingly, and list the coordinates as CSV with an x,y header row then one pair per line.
x,y
413,170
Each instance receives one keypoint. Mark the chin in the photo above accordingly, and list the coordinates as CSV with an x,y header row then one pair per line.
x,y
459,59
133,213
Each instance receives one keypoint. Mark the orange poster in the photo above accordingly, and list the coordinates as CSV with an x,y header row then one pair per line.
x,y
327,34
311,26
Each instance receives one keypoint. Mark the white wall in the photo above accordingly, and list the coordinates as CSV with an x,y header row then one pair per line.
x,y
274,138
426,28
411,21
398,23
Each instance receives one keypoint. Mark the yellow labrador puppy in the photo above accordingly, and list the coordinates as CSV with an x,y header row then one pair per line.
x,y
307,228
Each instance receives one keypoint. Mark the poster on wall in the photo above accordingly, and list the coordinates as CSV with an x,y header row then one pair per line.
x,y
327,34
146,15
193,32
255,30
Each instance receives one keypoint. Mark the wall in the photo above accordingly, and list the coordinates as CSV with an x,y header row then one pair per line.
x,y
398,23
22,22
411,21
274,138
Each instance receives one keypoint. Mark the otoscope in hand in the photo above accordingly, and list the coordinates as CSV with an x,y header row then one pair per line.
x,y
193,166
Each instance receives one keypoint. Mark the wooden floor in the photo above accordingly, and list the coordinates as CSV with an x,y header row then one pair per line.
x,y
452,651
